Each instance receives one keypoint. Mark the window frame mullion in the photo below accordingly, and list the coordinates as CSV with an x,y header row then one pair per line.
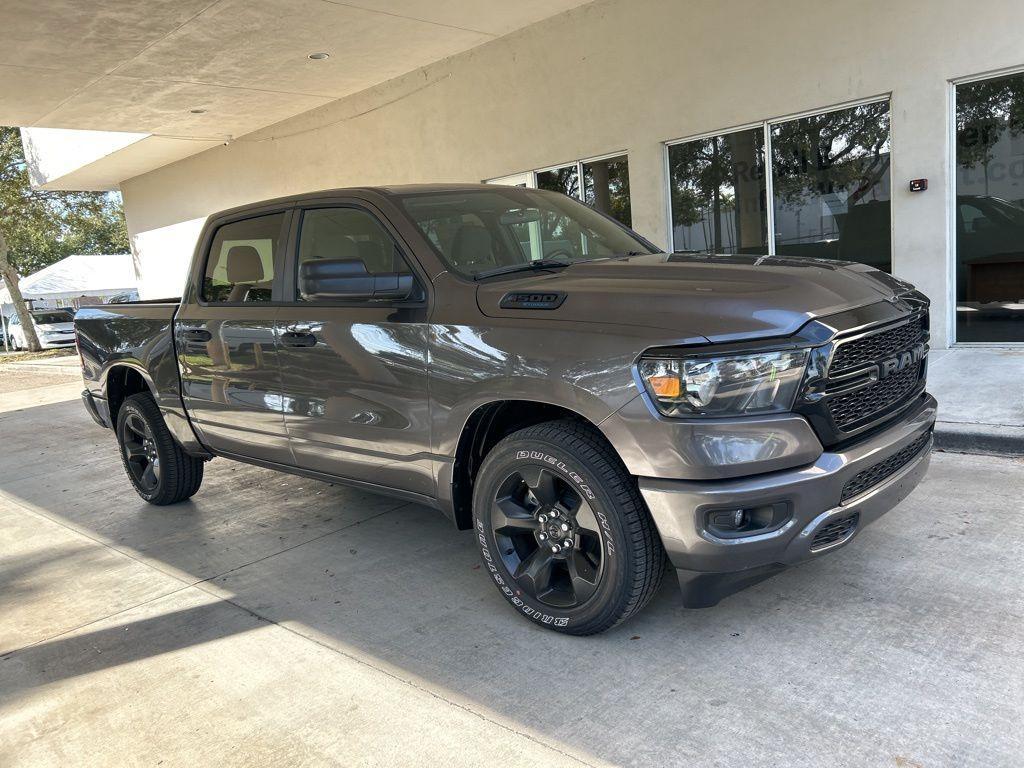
x,y
769,187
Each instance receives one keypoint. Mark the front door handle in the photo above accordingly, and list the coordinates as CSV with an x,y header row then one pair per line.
x,y
298,339
196,334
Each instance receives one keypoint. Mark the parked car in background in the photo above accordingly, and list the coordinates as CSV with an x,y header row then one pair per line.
x,y
544,376
54,327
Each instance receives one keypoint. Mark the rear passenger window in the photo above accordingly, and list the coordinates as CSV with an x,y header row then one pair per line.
x,y
242,260
349,233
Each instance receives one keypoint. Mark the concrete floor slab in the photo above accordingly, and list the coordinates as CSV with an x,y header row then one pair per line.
x,y
193,680
53,579
372,637
911,625
254,513
975,385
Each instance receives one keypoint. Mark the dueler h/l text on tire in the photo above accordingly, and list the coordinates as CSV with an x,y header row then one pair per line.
x,y
563,530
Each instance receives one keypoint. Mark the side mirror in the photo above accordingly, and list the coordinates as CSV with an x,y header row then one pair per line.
x,y
325,279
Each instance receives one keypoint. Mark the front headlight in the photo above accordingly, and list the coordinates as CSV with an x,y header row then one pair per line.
x,y
724,385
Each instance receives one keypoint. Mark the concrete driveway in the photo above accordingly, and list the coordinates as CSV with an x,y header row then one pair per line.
x,y
273,620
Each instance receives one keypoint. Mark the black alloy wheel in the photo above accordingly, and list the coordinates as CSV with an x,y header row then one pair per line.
x,y
160,470
562,529
140,455
548,537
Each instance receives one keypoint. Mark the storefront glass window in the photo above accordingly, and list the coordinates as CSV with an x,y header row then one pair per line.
x,y
989,210
830,185
602,184
718,193
565,180
606,187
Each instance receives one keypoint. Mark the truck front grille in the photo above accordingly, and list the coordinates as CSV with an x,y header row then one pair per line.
x,y
877,346
856,394
862,404
835,531
886,468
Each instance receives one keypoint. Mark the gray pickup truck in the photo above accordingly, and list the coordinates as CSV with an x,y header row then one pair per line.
x,y
591,407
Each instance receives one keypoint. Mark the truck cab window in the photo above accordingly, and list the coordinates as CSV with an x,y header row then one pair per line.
x,y
242,260
352,234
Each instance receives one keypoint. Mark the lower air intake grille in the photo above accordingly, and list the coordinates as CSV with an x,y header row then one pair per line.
x,y
835,531
876,473
862,404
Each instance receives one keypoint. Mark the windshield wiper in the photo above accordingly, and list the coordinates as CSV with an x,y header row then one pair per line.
x,y
524,267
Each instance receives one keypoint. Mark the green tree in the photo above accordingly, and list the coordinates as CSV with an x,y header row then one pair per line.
x,y
40,227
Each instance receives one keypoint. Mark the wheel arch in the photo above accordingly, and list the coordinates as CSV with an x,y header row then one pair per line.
x,y
120,382
486,426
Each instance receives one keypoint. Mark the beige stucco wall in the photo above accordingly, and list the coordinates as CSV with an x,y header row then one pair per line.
x,y
617,75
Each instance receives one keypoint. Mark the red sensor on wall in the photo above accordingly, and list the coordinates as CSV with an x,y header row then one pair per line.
x,y
918,185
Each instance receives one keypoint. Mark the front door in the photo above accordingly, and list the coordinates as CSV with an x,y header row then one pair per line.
x,y
224,334
354,372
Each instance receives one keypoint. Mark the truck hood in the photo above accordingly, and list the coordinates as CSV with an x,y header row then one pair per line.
x,y
718,297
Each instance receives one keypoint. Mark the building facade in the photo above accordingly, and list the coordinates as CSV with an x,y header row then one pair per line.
x,y
884,132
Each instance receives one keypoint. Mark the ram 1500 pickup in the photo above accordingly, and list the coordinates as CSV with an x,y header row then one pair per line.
x,y
591,407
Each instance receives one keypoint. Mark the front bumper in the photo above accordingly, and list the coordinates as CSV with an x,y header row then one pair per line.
x,y
57,342
711,567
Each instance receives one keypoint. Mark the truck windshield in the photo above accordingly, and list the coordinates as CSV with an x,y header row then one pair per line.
x,y
45,318
476,232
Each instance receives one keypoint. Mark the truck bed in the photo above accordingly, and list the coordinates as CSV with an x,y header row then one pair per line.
x,y
135,335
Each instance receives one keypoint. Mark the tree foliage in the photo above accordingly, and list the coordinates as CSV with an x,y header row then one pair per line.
x,y
40,227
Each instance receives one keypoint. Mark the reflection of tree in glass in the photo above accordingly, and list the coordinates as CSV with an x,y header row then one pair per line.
x,y
843,151
605,185
984,110
565,180
606,188
709,175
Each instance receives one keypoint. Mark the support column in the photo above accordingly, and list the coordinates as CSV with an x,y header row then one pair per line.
x,y
921,241
648,189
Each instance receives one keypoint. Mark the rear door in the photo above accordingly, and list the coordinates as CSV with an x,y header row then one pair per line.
x,y
355,372
224,334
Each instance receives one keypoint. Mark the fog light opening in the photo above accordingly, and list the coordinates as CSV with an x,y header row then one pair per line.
x,y
736,522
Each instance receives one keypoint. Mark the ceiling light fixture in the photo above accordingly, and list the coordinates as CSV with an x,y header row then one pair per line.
x,y
319,56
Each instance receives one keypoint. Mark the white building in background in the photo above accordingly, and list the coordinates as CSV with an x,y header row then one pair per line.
x,y
601,99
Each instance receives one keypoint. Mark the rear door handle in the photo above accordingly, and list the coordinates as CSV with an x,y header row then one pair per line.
x,y
196,334
298,339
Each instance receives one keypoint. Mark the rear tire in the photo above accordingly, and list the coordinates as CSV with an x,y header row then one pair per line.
x,y
160,471
563,530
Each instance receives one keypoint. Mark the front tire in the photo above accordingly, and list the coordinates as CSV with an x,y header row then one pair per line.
x,y
563,530
160,471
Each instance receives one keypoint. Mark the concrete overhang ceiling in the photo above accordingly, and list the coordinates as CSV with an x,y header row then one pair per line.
x,y
191,73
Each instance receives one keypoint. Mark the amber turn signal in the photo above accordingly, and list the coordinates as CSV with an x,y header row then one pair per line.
x,y
665,386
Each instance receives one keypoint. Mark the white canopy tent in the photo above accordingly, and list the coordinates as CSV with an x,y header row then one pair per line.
x,y
75,280
95,277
